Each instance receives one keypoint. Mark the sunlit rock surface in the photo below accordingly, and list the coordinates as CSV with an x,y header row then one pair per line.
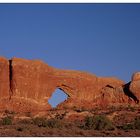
x,y
26,85
135,84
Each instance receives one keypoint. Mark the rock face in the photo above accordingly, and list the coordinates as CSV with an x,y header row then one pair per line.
x,y
135,84
4,78
26,86
4,83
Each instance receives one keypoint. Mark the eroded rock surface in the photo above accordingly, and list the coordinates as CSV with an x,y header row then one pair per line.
x,y
4,83
135,84
26,85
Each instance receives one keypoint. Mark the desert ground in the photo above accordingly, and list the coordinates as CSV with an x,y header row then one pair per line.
x,y
112,122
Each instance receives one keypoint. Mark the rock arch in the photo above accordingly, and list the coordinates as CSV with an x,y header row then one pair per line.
x,y
33,82
58,97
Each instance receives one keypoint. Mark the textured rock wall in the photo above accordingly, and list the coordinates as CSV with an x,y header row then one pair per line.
x,y
26,85
4,78
4,83
135,84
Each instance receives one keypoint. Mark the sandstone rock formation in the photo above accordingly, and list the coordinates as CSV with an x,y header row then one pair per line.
x,y
135,84
26,85
4,83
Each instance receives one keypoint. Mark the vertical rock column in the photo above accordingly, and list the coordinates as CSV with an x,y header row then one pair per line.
x,y
4,83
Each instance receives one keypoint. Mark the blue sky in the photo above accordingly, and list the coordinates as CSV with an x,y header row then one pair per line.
x,y
103,39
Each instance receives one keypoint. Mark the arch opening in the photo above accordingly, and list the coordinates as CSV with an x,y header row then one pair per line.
x,y
57,97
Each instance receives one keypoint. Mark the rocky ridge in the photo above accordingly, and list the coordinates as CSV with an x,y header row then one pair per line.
x,y
26,86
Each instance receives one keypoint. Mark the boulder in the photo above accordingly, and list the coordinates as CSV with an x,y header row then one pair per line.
x,y
136,76
135,85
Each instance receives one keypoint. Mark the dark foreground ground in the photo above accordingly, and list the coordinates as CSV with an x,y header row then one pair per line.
x,y
113,122
34,131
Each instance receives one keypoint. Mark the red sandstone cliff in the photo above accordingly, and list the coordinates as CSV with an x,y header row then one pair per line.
x,y
26,85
